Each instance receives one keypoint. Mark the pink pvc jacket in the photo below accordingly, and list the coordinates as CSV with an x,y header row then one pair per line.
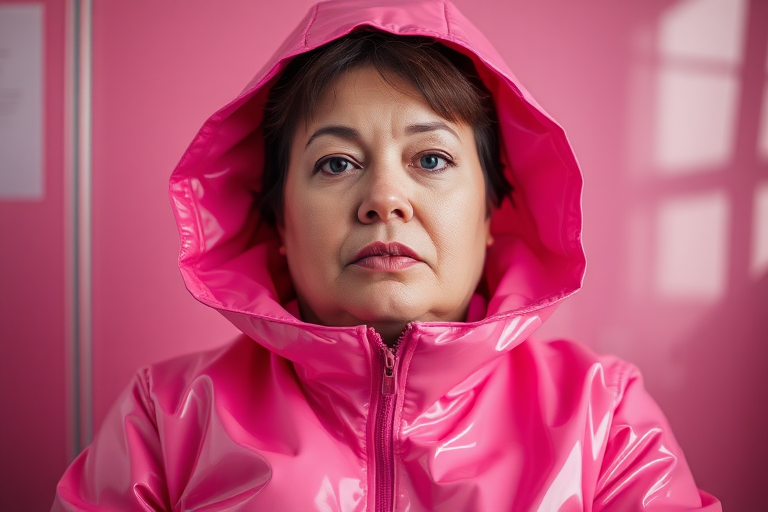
x,y
466,416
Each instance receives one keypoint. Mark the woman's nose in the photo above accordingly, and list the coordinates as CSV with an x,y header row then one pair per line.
x,y
386,197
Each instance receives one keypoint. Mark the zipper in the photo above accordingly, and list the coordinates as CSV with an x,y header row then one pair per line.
x,y
385,419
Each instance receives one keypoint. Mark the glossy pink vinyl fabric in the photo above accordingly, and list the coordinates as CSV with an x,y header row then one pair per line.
x,y
467,416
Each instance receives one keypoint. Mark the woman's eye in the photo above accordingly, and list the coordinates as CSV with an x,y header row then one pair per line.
x,y
335,165
433,162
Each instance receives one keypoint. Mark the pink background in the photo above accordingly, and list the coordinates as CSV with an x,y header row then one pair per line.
x,y
665,104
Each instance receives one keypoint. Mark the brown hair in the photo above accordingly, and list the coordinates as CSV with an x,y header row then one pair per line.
x,y
447,80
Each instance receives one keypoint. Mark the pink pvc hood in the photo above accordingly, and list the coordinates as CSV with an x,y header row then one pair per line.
x,y
539,259
459,417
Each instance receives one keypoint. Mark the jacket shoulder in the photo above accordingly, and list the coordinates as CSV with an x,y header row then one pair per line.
x,y
571,361
235,363
640,460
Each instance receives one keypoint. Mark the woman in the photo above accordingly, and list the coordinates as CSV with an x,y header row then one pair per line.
x,y
387,216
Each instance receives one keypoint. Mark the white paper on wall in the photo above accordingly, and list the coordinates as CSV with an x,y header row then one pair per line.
x,y
21,101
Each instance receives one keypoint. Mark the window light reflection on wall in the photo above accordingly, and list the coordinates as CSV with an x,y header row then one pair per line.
x,y
695,120
759,258
763,140
692,247
700,46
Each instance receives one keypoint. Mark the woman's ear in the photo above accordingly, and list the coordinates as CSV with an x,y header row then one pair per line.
x,y
488,236
281,234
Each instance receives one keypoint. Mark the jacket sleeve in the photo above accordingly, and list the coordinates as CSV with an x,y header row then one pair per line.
x,y
644,468
122,470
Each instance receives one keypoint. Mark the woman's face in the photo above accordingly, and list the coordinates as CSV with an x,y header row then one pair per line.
x,y
384,218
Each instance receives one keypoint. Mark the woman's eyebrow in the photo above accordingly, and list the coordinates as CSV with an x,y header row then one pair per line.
x,y
343,132
430,127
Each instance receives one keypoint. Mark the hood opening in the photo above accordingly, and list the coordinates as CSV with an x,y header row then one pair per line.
x,y
230,261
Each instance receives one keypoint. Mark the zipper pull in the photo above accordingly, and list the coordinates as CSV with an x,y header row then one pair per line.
x,y
388,383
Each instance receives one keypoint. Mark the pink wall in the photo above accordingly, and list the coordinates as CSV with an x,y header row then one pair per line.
x,y
667,129
33,327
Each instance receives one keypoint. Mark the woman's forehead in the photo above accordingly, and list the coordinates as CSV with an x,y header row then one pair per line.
x,y
364,98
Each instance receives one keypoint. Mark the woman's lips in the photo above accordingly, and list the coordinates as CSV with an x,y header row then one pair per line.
x,y
386,257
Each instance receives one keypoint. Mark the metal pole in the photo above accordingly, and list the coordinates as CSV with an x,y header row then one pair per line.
x,y
81,164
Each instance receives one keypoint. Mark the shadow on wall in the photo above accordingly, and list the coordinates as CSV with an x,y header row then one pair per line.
x,y
726,387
